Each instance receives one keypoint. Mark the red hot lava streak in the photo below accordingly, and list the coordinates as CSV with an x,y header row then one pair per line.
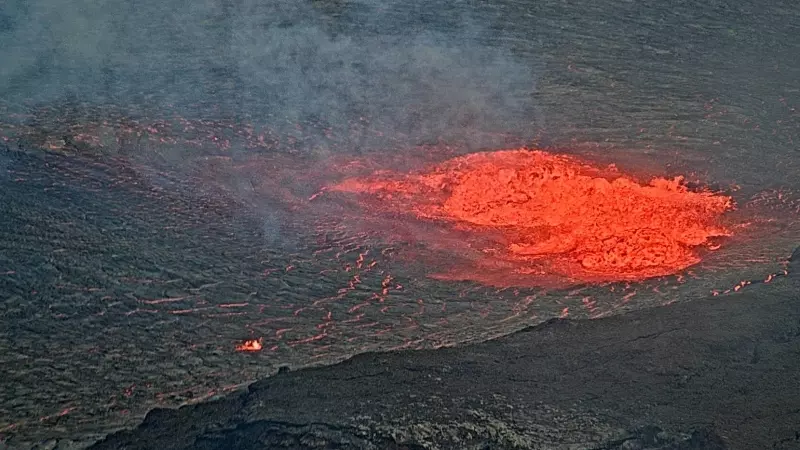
x,y
558,215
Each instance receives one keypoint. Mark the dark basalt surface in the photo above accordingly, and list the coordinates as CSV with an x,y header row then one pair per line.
x,y
717,373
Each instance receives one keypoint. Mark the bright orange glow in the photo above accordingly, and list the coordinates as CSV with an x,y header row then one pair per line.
x,y
252,345
557,214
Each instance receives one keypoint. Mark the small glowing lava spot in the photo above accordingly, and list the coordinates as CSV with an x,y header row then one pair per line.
x,y
250,345
546,217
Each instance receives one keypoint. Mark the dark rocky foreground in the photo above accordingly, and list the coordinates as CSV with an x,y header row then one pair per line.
x,y
719,373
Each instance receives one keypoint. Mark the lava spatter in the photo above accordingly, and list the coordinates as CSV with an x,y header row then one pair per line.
x,y
557,215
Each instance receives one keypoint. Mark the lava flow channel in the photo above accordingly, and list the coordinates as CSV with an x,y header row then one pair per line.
x,y
554,217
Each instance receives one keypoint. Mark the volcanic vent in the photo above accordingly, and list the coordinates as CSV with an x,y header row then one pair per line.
x,y
555,216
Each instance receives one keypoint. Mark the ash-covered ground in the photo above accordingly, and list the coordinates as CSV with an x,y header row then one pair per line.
x,y
163,172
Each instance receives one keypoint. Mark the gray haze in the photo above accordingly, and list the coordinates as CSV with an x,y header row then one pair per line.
x,y
409,68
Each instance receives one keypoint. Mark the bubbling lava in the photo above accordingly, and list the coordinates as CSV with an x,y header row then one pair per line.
x,y
557,214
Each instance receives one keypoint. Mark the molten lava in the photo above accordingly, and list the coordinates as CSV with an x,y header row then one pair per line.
x,y
250,345
557,215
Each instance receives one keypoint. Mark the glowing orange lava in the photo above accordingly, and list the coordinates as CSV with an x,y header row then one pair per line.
x,y
557,215
251,345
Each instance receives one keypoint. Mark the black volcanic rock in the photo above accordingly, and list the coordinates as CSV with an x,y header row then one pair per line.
x,y
712,374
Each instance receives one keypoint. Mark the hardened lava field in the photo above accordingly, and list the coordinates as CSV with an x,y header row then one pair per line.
x,y
553,217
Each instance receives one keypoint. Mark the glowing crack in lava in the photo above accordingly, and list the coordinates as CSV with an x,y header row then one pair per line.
x,y
555,215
